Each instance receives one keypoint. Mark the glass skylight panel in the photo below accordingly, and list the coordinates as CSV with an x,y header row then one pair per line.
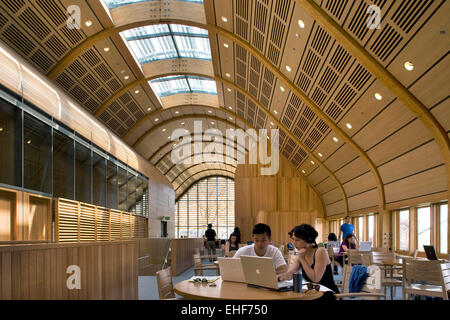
x,y
147,32
188,30
202,85
170,85
193,47
118,3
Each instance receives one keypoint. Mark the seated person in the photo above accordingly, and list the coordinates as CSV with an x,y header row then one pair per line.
x,y
261,248
314,260
231,245
349,243
332,240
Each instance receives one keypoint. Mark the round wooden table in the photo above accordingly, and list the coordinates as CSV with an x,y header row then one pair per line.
x,y
227,290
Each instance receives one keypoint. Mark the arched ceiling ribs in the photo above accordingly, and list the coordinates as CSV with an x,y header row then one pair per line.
x,y
195,165
197,181
224,138
390,81
222,170
200,153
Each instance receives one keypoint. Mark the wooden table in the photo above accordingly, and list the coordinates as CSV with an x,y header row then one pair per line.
x,y
226,290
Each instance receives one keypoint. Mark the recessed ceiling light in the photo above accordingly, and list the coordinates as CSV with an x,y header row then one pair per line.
x,y
156,119
164,130
226,45
275,111
168,138
320,155
88,23
209,111
231,108
282,88
177,112
127,77
335,139
182,123
312,162
349,125
228,89
301,24
378,96
230,118
271,123
137,91
409,66
303,171
106,49
224,19
1,129
227,74
212,122
148,109
288,69
29,141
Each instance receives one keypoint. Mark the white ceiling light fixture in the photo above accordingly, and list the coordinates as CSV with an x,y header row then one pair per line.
x,y
301,24
127,77
349,125
177,112
88,23
224,19
282,88
378,96
409,66
164,130
320,155
209,111
312,162
335,139
228,89
288,69
275,111
228,75
226,45
156,120
149,109
106,49
231,108
304,172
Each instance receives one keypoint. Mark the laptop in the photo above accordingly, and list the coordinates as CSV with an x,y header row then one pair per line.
x,y
365,246
231,269
259,272
430,252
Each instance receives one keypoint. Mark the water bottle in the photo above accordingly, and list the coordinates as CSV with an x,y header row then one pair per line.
x,y
297,278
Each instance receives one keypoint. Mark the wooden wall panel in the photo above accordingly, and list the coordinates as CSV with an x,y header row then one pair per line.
x,y
7,213
108,271
182,252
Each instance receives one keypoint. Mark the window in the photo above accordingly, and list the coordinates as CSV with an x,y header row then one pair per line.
x,y
99,179
83,166
123,181
209,201
111,185
423,227
371,231
443,228
167,86
118,3
63,166
404,230
360,228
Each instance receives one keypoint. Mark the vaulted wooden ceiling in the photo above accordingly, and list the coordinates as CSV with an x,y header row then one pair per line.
x,y
308,79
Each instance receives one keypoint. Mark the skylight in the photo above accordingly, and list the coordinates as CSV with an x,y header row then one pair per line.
x,y
118,3
167,86
159,42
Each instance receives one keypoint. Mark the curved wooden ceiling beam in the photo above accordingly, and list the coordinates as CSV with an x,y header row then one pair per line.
x,y
389,80
232,173
198,180
194,165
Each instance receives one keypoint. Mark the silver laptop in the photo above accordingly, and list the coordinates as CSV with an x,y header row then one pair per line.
x,y
260,272
231,269
365,246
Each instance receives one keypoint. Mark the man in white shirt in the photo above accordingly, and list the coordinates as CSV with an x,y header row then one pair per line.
x,y
261,248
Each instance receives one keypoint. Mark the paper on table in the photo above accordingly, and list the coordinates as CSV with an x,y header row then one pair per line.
x,y
209,278
322,288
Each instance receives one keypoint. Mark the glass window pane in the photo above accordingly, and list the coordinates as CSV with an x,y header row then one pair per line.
x,y
111,186
423,227
99,180
371,231
193,47
83,166
118,3
123,179
404,230
361,228
37,155
11,142
132,182
443,228
63,166
202,85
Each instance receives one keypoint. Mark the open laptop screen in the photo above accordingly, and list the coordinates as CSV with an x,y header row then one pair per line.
x,y
430,252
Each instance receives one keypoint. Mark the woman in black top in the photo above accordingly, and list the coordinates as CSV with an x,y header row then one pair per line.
x,y
314,260
232,244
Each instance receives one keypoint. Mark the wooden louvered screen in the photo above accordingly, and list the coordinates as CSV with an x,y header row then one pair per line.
x,y
77,221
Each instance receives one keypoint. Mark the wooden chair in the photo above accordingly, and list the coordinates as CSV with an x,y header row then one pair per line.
x,y
199,267
371,289
356,257
425,278
332,257
388,280
165,285
380,250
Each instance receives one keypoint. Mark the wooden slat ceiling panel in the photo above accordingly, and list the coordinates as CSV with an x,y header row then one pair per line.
x,y
363,200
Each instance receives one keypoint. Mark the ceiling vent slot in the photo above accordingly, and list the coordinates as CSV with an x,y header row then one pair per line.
x,y
241,112
336,7
268,76
260,17
114,107
258,40
340,59
255,64
334,111
105,116
103,72
295,101
73,35
273,54
241,68
315,135
311,63
266,89
299,155
18,39
302,124
241,53
121,131
65,81
308,113
345,95
114,124
133,107
320,41
357,24
282,136
3,20
240,96
328,79
282,9
409,12
91,57
264,101
359,77
318,96
322,126
53,11
14,5
138,114
303,82
277,32
79,94
250,119
261,123
31,20
240,82
114,85
309,144
297,132
42,60
55,45
102,94
254,78
253,91
92,105
242,8
386,42
241,28
125,98
78,69
123,115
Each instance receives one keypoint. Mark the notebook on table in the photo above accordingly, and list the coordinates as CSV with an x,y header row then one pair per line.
x,y
231,269
259,272
365,246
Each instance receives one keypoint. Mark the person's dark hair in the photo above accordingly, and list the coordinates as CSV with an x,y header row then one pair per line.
x,y
238,234
305,232
332,237
260,228
233,235
347,217
209,225
347,239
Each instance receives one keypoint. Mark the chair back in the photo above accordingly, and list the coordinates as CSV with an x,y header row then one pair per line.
x,y
422,271
197,264
356,257
373,281
445,267
379,256
165,285
386,250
